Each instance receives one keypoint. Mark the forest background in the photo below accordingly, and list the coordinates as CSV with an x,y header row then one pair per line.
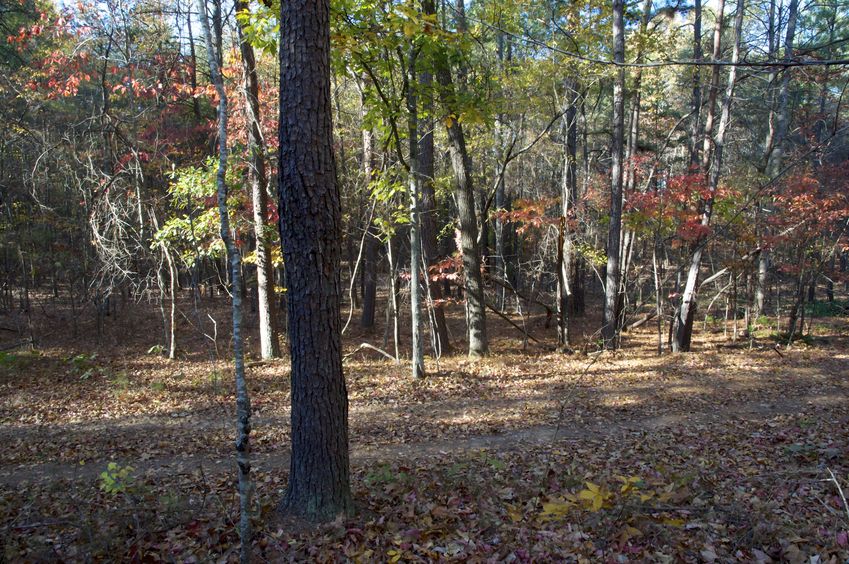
x,y
559,179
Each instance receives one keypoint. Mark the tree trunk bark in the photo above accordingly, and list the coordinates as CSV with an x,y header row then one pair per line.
x,y
504,51
568,201
391,243
370,260
415,233
779,120
798,304
760,285
427,207
193,74
713,91
683,330
576,284
772,52
634,121
464,195
696,100
269,345
372,242
829,284
614,233
310,232
775,157
243,404
631,171
172,325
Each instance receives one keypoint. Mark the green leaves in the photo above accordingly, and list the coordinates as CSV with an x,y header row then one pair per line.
x,y
261,26
117,479
193,230
390,194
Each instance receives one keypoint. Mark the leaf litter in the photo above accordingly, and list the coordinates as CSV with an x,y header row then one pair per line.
x,y
722,455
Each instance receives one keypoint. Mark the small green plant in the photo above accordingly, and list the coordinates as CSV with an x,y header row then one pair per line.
x,y
120,381
9,360
802,451
385,475
455,470
82,361
827,309
157,386
494,462
169,501
83,365
215,378
764,321
497,464
799,338
117,479
156,350
171,504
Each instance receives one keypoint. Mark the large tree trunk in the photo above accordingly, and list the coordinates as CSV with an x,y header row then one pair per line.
x,y
614,233
310,230
760,285
577,302
269,345
243,404
172,325
829,285
763,257
821,127
464,195
798,307
683,329
392,243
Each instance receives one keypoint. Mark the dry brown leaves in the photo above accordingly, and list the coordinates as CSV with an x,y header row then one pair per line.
x,y
715,456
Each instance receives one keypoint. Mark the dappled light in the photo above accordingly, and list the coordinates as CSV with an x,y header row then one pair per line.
x,y
418,281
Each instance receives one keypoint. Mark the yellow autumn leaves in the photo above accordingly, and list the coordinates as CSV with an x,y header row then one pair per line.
x,y
595,497
592,498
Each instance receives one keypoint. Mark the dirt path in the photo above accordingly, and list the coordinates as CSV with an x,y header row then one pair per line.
x,y
569,430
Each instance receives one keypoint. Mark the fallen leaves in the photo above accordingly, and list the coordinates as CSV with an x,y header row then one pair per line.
x,y
718,456
595,496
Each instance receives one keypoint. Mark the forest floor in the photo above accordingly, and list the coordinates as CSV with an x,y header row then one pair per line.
x,y
738,451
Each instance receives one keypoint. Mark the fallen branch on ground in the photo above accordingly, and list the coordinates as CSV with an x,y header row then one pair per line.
x,y
640,322
517,326
373,348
